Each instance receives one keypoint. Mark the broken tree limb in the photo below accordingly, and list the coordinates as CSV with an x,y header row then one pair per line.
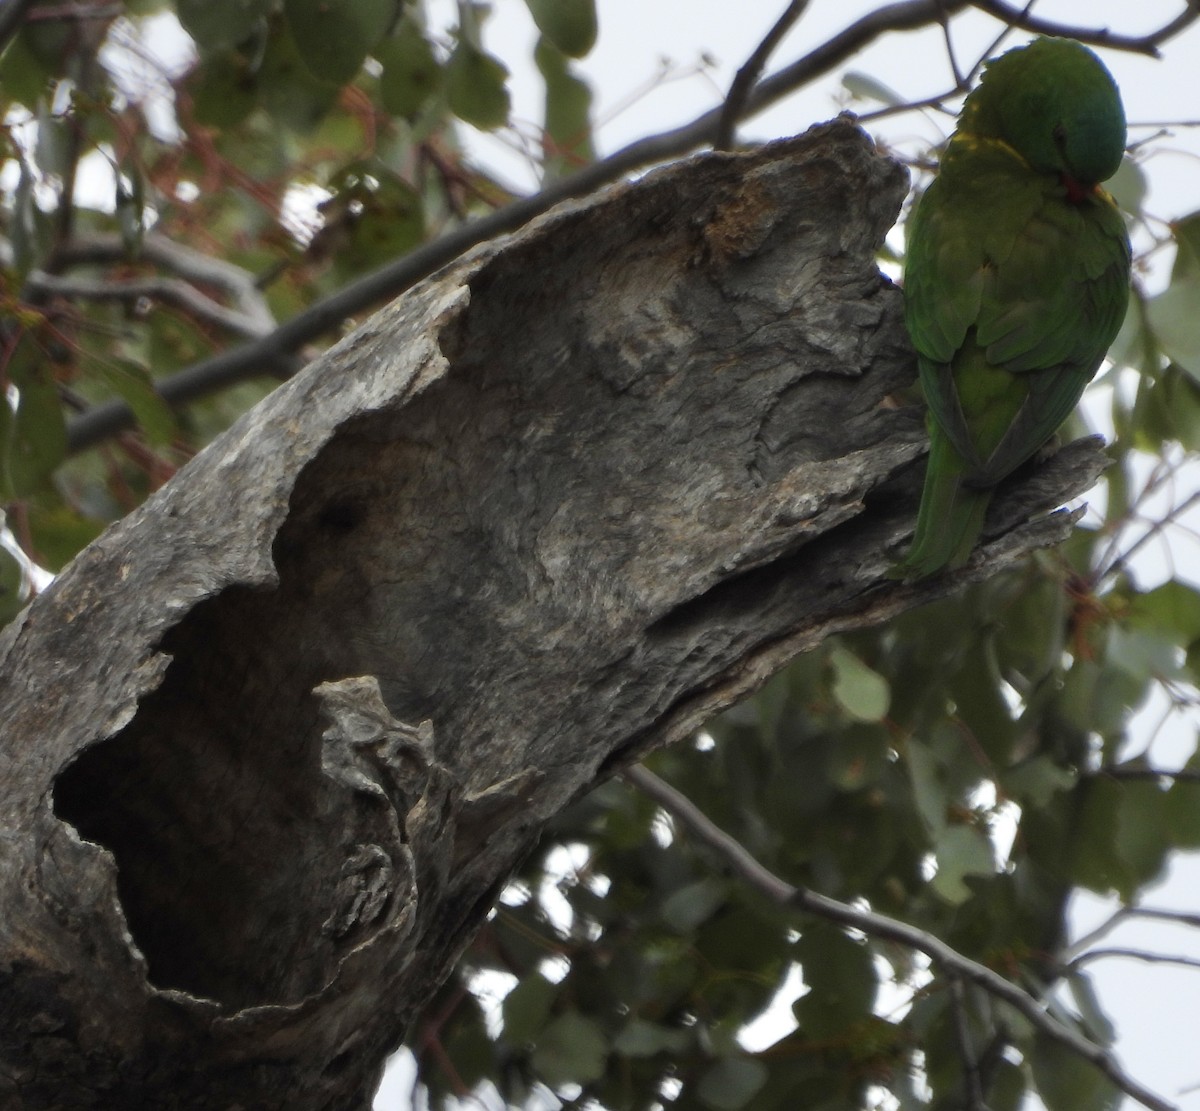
x,y
272,744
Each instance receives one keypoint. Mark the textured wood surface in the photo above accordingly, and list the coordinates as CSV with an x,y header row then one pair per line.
x,y
272,744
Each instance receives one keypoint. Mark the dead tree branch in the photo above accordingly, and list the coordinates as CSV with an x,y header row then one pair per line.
x,y
749,73
185,262
275,741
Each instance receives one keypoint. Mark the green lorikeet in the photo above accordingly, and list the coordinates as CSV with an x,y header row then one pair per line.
x,y
1017,280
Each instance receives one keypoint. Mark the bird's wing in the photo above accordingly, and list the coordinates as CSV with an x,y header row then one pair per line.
x,y
1042,284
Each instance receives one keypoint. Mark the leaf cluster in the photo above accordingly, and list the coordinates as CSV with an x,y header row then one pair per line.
x,y
964,769
299,143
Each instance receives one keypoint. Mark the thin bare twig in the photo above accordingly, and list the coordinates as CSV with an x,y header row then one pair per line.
x,y
170,290
1160,914
1183,775
952,962
190,264
745,78
1113,563
1010,24
973,1081
962,81
1155,914
960,78
1100,36
1133,954
1106,927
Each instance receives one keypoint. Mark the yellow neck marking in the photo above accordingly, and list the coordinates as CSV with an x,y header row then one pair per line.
x,y
972,142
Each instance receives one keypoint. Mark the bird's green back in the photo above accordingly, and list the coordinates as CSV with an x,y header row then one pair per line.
x,y
999,261
1017,276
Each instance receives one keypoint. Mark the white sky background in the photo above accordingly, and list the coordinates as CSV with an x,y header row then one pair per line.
x,y
1154,1006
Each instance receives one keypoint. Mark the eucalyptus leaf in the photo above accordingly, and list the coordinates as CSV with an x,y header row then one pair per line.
x,y
468,1045
693,904
1097,1025
568,127
647,1039
477,88
1066,1082
223,89
569,24
862,86
929,791
842,979
411,74
962,851
39,437
571,1050
334,37
23,75
1175,322
289,91
1037,781
218,25
1142,837
1172,608
131,382
731,1083
1128,186
1187,253
861,692
1182,812
527,1007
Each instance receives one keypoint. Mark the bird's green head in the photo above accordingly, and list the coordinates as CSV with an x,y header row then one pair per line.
x,y
1056,105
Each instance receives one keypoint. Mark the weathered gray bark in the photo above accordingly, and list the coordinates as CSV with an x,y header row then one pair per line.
x,y
272,744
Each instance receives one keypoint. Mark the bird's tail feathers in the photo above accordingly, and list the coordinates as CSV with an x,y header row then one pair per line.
x,y
950,518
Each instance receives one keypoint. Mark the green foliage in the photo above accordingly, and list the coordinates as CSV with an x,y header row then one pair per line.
x,y
342,110
895,767
32,433
1171,316
732,1083
841,978
132,383
477,86
862,86
218,25
571,1049
411,74
381,216
334,37
861,692
965,768
1066,1083
568,139
569,24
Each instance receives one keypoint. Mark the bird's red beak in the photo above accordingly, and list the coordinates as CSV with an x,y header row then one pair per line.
x,y
1077,192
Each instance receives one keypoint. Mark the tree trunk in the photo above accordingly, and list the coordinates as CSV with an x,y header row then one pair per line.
x,y
273,743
